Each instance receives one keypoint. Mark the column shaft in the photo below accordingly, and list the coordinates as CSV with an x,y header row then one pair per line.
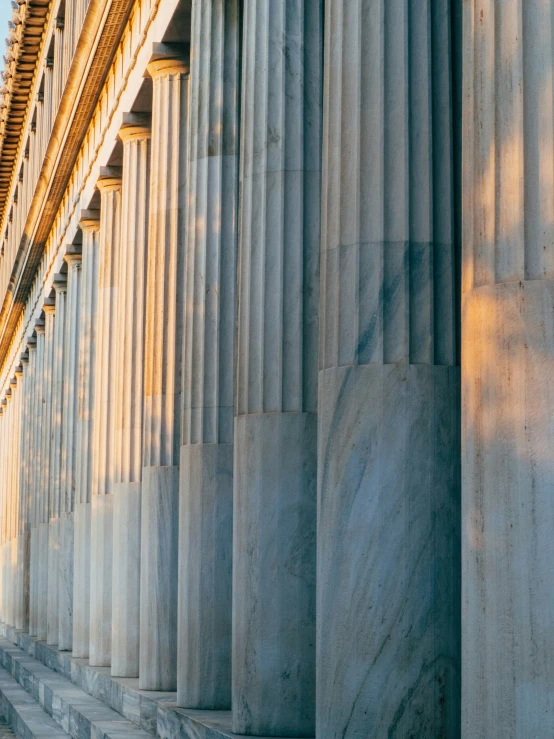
x,y
388,637
90,225
69,447
274,514
129,383
109,185
507,365
163,356
206,477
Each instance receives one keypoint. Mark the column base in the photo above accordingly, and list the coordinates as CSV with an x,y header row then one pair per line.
x,y
126,580
388,578
274,566
65,583
23,565
33,582
42,585
81,581
158,578
53,581
508,511
101,558
205,576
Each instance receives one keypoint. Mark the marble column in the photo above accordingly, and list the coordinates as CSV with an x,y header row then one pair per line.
x,y
507,367
54,523
129,397
23,550
90,227
73,257
58,69
162,378
388,580
274,514
101,550
206,484
49,308
32,344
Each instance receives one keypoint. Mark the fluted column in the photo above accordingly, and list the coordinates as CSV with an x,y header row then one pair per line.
x,y
101,550
162,380
54,524
388,578
29,475
73,257
90,227
129,400
58,68
69,34
206,484
35,479
507,367
23,543
274,514
17,462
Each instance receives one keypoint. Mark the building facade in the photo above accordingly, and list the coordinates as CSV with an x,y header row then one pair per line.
x,y
276,359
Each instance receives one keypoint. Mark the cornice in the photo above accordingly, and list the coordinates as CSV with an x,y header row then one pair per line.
x,y
98,42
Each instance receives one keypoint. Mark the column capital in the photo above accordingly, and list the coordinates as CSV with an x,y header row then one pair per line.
x,y
60,282
89,220
169,59
31,343
73,254
109,179
135,126
49,306
18,372
40,326
13,381
24,357
4,401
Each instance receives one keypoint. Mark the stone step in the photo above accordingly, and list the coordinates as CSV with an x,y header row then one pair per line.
x,y
74,710
23,714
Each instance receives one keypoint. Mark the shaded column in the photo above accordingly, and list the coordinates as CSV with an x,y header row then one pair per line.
x,y
54,525
73,257
507,365
206,483
43,474
32,343
90,226
58,81
101,550
129,400
388,637
274,515
162,380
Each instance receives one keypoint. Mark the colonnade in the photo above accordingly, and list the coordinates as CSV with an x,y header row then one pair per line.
x,y
231,449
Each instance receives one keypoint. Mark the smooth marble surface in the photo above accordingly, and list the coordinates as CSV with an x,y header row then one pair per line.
x,y
53,581
507,511
65,582
81,580
101,558
274,548
388,573
159,578
205,576
42,581
33,573
126,579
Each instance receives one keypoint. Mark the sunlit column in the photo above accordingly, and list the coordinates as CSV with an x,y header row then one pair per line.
x,y
507,369
69,33
73,257
54,524
162,380
129,399
35,477
103,453
206,486
274,513
29,473
388,580
58,70
23,550
90,227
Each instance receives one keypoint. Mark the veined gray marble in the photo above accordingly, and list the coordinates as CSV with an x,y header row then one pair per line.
x,y
53,564
101,554
65,582
388,579
274,516
81,580
206,490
